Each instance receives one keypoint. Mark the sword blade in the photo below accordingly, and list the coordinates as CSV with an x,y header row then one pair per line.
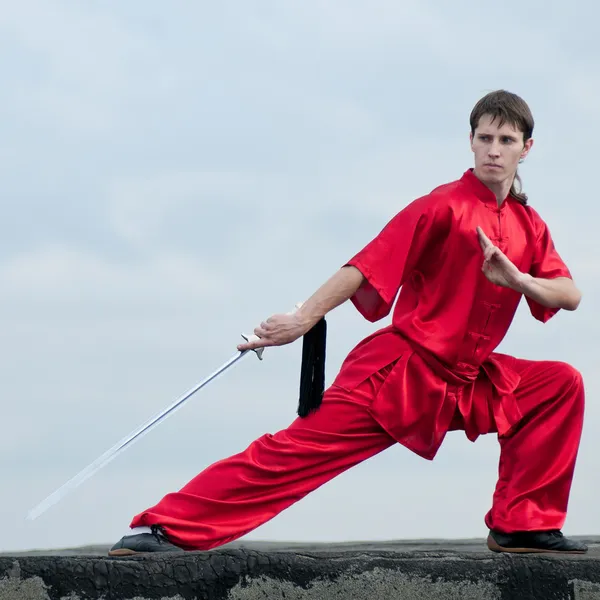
x,y
126,442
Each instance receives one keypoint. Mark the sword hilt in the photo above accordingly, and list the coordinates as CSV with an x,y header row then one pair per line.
x,y
253,338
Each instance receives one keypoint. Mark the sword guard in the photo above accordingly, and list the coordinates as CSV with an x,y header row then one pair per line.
x,y
251,338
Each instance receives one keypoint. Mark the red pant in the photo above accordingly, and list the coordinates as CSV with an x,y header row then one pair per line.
x,y
236,495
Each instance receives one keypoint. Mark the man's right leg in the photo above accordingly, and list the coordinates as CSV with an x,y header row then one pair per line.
x,y
236,495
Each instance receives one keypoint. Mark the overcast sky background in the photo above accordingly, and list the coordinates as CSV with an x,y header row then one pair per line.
x,y
173,173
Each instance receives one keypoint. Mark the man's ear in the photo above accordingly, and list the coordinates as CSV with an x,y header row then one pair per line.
x,y
526,148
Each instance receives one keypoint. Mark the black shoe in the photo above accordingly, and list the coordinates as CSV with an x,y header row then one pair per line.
x,y
534,541
144,542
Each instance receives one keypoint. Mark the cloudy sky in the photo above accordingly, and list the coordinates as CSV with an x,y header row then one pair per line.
x,y
173,173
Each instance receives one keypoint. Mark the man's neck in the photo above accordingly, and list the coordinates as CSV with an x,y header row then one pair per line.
x,y
500,190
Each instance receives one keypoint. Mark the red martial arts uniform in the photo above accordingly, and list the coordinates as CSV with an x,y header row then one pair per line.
x,y
431,371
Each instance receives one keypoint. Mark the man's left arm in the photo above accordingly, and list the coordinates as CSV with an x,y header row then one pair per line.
x,y
559,292
545,295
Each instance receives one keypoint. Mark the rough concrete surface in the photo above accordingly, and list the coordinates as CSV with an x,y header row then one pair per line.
x,y
418,570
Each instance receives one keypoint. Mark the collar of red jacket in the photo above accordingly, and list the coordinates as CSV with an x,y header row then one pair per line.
x,y
479,189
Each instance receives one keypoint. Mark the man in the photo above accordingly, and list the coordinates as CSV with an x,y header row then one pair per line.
x,y
462,258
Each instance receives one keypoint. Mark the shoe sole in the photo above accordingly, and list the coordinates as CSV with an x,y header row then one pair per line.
x,y
129,552
495,547
124,552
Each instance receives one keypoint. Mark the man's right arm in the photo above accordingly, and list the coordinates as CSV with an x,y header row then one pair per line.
x,y
334,292
283,329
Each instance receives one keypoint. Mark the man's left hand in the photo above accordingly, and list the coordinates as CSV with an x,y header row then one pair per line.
x,y
497,267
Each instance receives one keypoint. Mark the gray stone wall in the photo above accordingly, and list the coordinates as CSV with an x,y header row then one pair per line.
x,y
247,574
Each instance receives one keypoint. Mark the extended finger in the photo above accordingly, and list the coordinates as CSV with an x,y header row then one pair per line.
x,y
490,252
254,344
484,241
482,234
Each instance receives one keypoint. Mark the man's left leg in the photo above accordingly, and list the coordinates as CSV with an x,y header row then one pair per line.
x,y
537,461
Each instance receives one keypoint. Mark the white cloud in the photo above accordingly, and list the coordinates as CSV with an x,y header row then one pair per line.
x,y
582,87
66,276
141,209
81,65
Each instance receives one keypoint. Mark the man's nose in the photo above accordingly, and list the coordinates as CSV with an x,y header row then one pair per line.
x,y
494,149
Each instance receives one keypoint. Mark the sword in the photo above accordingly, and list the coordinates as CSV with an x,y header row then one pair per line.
x,y
134,436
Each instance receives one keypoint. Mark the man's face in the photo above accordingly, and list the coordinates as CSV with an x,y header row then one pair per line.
x,y
497,150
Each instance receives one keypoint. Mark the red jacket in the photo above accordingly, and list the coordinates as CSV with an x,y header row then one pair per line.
x,y
448,318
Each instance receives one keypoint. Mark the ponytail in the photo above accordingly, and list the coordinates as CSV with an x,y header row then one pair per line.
x,y
516,190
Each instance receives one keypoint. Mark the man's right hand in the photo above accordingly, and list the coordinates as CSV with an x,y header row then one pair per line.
x,y
278,330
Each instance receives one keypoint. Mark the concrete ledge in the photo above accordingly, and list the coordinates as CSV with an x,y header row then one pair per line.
x,y
246,574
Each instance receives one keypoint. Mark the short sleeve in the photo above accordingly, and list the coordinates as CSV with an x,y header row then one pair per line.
x,y
546,264
388,260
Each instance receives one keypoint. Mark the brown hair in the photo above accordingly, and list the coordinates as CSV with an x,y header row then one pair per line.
x,y
507,108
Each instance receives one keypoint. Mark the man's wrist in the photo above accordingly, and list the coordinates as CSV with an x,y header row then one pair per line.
x,y
306,319
524,283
